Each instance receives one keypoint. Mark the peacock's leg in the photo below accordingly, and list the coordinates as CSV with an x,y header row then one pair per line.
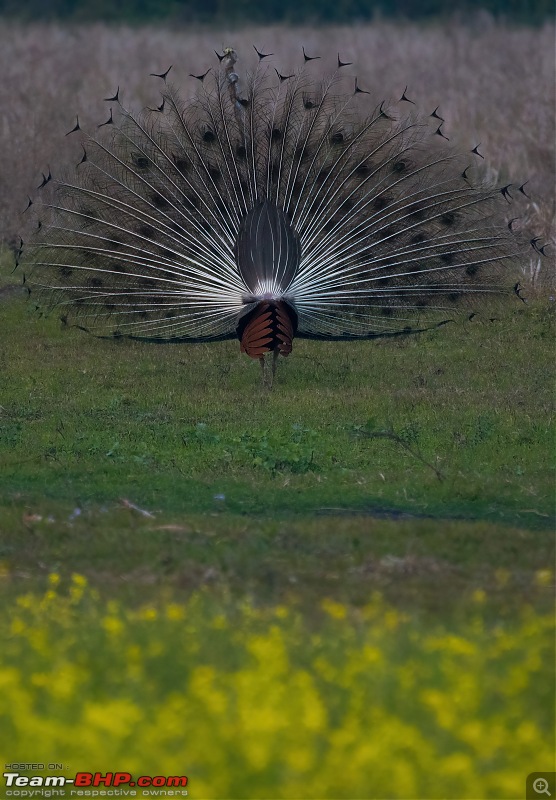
x,y
266,372
275,361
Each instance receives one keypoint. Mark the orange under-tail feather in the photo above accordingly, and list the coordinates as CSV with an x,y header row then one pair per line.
x,y
270,328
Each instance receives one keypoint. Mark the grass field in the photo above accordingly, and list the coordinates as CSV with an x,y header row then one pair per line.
x,y
355,568
342,588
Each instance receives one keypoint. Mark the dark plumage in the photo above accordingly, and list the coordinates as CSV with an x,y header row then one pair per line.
x,y
269,209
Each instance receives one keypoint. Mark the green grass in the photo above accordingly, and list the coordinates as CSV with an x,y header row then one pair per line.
x,y
433,447
418,471
469,406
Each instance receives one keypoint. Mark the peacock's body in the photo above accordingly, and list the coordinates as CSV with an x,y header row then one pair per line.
x,y
284,208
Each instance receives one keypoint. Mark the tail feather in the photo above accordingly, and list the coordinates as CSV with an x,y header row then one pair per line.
x,y
179,221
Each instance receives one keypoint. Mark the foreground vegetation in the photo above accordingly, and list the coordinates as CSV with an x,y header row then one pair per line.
x,y
254,702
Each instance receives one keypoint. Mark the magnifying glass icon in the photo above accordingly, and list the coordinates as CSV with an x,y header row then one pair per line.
x,y
541,786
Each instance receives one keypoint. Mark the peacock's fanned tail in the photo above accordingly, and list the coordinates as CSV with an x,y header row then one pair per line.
x,y
289,208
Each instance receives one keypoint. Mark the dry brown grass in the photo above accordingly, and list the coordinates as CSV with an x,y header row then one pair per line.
x,y
494,85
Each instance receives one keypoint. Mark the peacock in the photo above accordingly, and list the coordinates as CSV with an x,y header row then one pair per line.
x,y
282,205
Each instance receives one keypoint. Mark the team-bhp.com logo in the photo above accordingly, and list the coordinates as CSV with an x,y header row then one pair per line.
x,y
94,784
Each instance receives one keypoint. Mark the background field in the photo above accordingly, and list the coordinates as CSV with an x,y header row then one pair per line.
x,y
296,593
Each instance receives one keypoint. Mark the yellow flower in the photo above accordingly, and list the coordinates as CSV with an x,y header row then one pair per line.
x,y
175,611
544,577
113,625
262,702
17,626
333,609
148,613
26,601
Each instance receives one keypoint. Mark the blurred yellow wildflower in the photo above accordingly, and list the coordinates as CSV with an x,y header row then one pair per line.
x,y
255,702
333,609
